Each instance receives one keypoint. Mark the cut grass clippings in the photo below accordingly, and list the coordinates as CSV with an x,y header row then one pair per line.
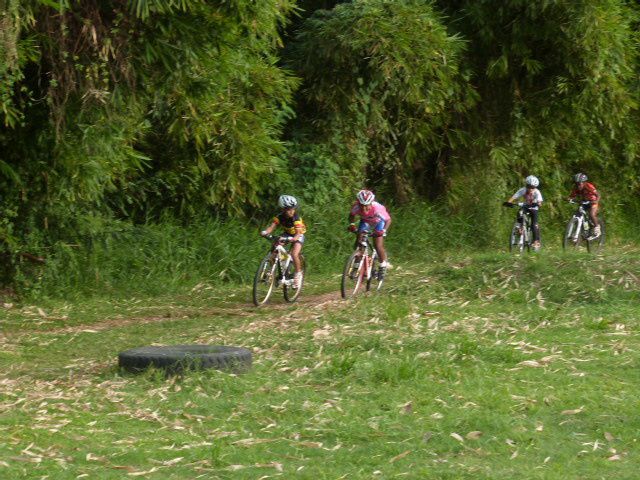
x,y
483,367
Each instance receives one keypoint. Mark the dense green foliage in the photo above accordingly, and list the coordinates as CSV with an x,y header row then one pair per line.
x,y
162,112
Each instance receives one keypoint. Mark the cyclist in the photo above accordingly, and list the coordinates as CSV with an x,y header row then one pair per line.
x,y
532,202
587,192
373,216
294,230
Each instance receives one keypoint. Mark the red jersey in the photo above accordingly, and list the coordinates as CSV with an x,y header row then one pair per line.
x,y
587,192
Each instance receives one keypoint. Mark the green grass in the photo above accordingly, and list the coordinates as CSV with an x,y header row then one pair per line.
x,y
537,353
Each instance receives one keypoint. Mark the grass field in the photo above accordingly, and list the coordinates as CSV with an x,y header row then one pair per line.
x,y
472,366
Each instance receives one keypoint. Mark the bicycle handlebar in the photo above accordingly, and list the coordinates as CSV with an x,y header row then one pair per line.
x,y
274,238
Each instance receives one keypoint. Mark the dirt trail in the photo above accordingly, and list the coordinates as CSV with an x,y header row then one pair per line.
x,y
305,307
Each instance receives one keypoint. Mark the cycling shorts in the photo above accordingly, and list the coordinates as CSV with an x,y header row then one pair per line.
x,y
288,237
365,227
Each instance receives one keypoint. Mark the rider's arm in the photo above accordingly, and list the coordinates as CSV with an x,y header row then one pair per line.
x,y
573,194
517,195
352,221
269,229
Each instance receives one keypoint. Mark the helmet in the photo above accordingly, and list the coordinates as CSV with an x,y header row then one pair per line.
x,y
287,201
365,197
579,177
532,181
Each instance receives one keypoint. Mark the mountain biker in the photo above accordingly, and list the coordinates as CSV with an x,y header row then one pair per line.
x,y
587,192
373,216
294,230
532,202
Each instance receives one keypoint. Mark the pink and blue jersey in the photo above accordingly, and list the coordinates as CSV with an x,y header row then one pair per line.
x,y
377,216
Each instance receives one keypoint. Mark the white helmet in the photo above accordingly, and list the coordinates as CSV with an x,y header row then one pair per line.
x,y
580,177
365,197
532,181
287,201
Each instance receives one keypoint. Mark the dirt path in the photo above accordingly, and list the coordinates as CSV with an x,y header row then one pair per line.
x,y
306,307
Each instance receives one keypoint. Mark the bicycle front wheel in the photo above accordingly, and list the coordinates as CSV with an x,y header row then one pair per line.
x,y
516,240
352,275
572,235
291,294
264,280
376,279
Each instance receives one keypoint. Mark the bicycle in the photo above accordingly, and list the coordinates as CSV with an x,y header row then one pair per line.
x,y
521,237
362,266
276,270
580,227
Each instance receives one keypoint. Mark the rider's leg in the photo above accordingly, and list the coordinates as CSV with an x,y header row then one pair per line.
x,y
593,214
379,244
295,254
378,241
535,226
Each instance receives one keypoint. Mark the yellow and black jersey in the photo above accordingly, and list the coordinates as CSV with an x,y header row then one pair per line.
x,y
290,225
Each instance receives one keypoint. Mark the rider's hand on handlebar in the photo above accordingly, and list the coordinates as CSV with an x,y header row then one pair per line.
x,y
507,204
352,228
571,200
263,233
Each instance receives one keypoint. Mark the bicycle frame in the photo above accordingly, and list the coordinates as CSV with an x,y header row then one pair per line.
x,y
582,217
521,229
365,246
525,225
282,256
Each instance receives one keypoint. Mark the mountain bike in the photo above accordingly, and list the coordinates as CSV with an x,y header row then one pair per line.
x,y
521,236
276,270
361,268
580,228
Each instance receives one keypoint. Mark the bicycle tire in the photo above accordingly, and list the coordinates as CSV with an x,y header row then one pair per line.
x,y
348,273
515,245
376,275
291,294
567,241
265,276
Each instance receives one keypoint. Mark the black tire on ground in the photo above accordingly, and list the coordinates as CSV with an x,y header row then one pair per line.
x,y
175,358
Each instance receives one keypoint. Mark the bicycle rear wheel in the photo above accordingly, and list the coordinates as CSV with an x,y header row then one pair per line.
x,y
352,275
264,280
291,294
377,275
572,235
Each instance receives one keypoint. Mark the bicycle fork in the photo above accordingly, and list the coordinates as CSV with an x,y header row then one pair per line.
x,y
576,234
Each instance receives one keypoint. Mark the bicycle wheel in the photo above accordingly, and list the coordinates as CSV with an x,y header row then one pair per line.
x,y
352,275
516,240
264,281
377,275
528,236
572,235
291,294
